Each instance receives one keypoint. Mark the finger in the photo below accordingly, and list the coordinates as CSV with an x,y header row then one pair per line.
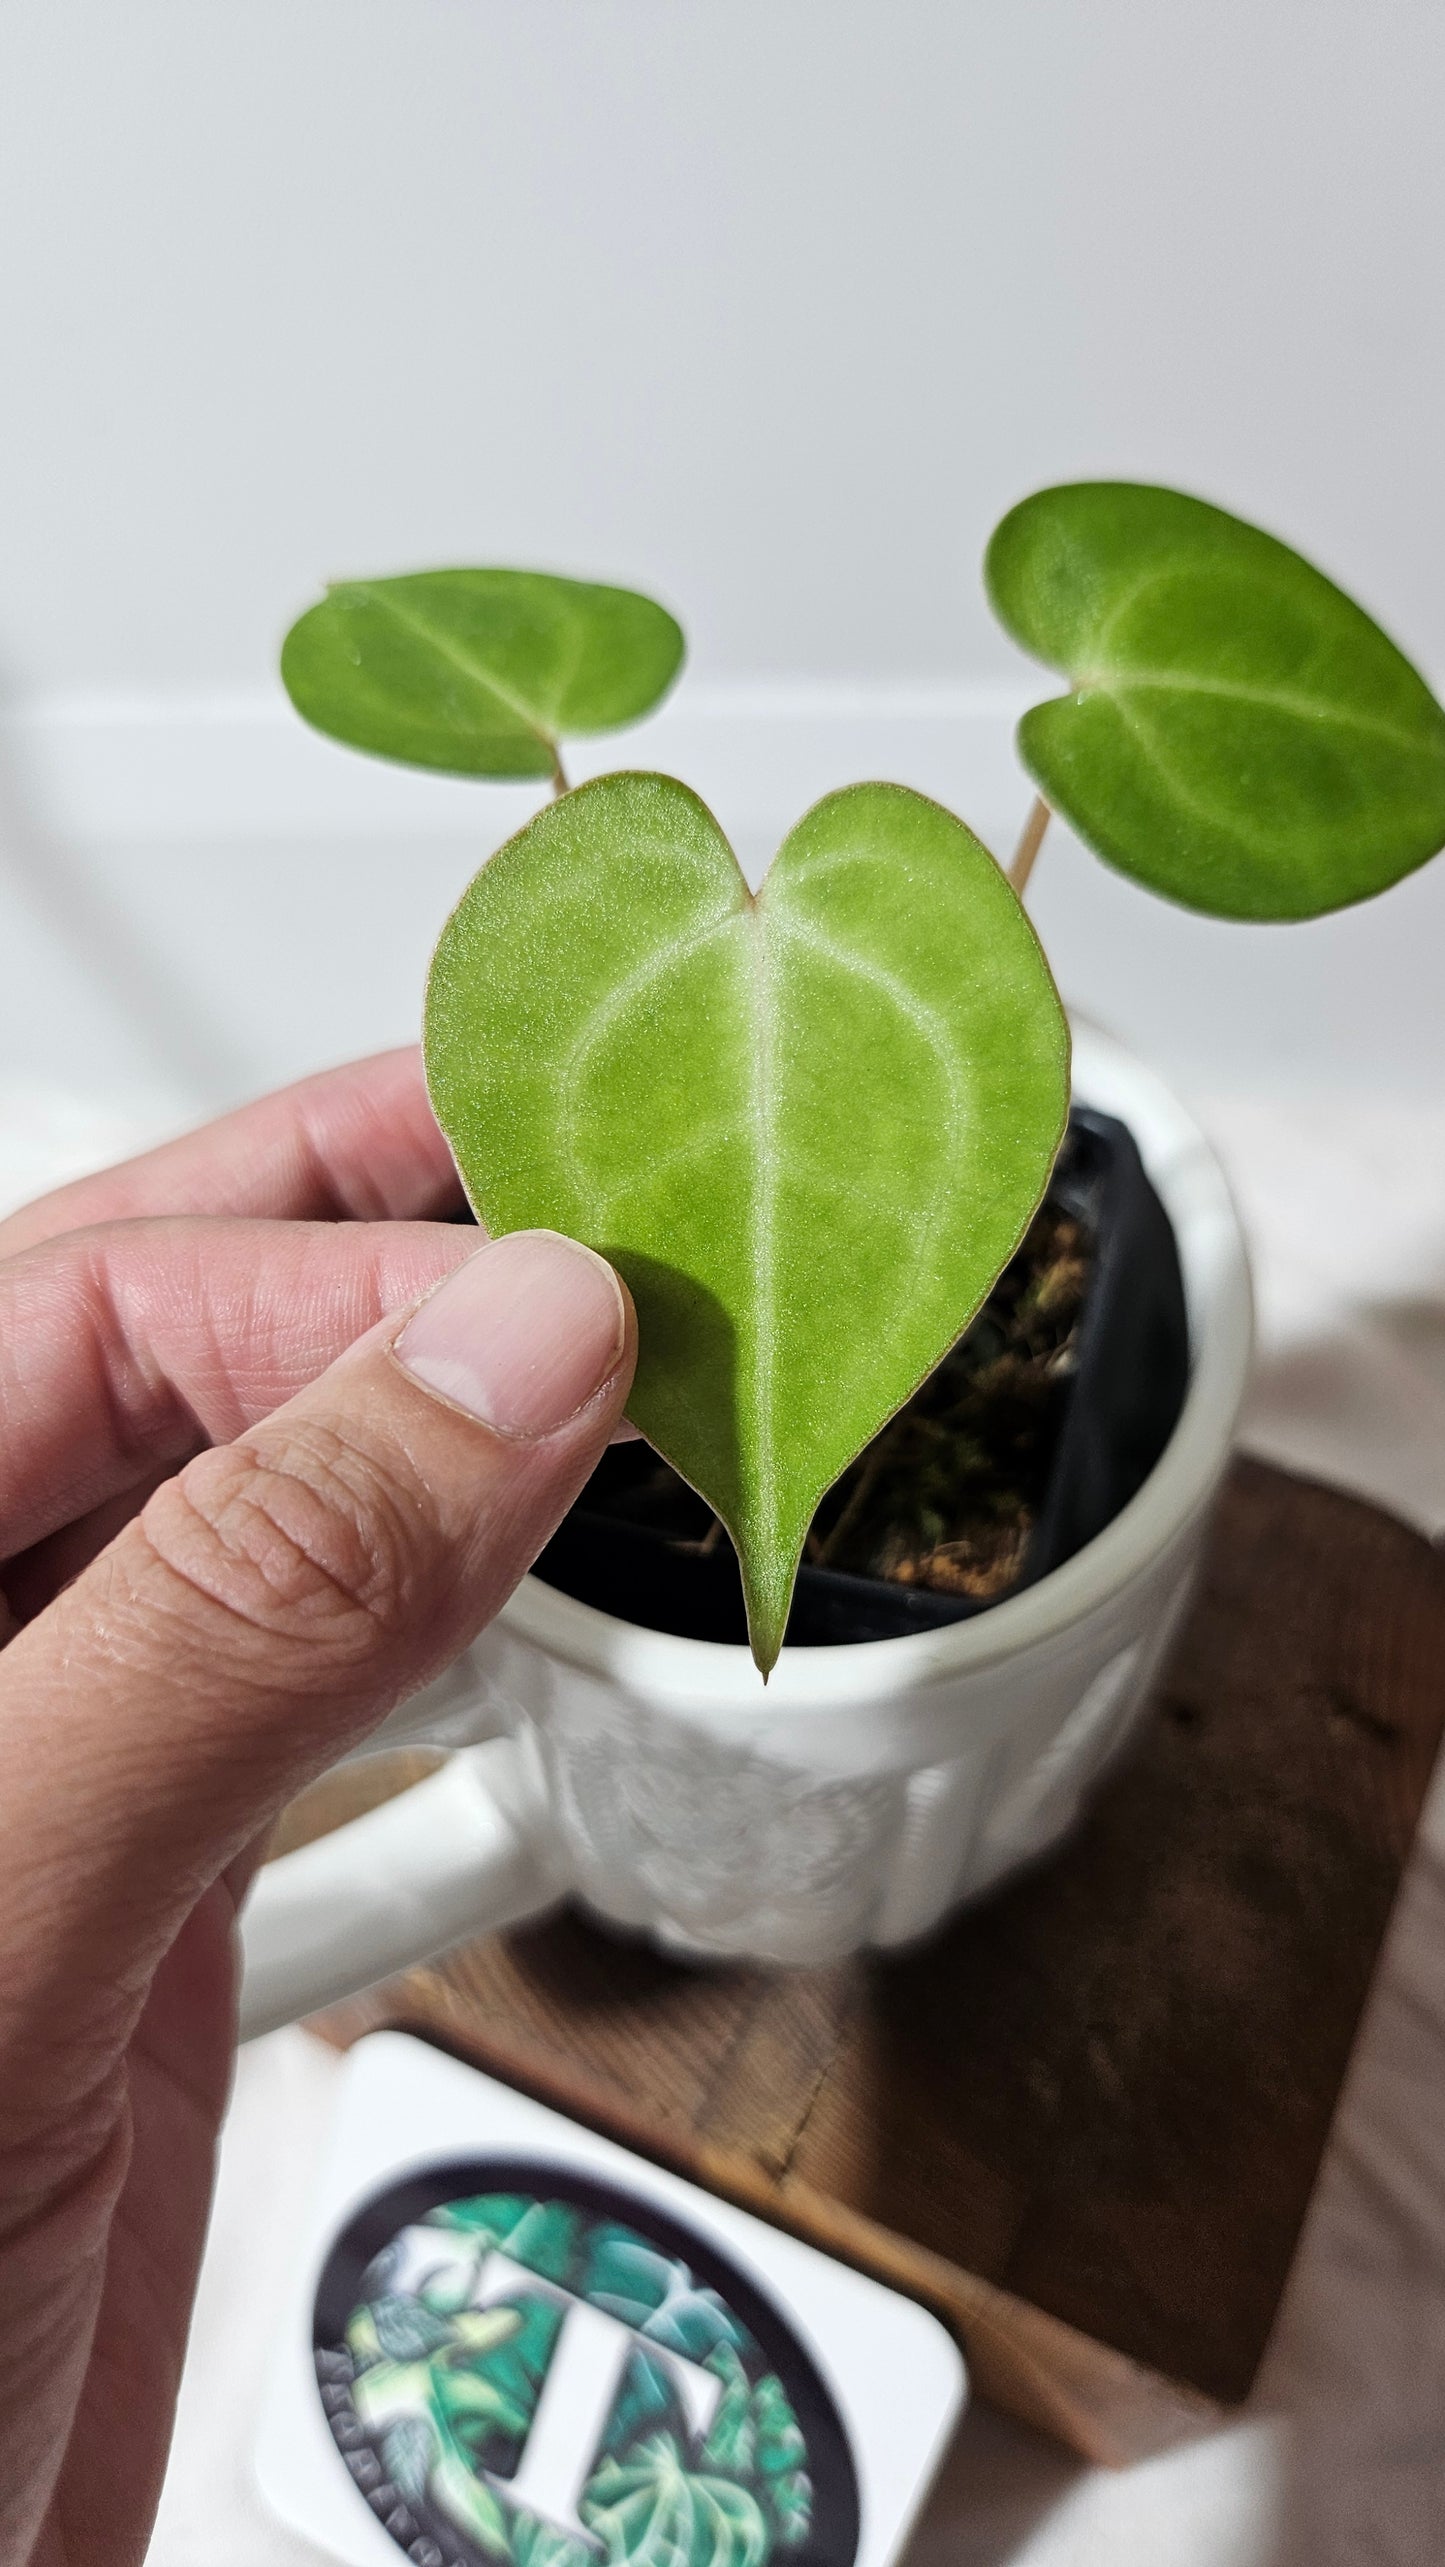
x,y
355,1144
35,1577
123,1350
101,2276
271,1604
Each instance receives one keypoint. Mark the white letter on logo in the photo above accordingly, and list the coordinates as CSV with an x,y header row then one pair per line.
x,y
580,2392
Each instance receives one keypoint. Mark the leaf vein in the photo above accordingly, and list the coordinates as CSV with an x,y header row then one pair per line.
x,y
604,1016
474,671
927,1024
1280,699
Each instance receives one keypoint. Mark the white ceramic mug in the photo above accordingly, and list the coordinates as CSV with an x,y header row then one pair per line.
x,y
855,1800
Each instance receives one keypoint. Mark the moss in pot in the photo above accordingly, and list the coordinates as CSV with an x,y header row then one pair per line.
x,y
813,1126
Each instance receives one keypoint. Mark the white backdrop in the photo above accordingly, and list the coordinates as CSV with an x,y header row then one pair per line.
x,y
772,305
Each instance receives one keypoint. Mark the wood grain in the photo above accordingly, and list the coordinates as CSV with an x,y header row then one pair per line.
x,y
1086,2120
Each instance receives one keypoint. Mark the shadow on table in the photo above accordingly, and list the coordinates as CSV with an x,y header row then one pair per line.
x,y
1339,2459
1357,2363
998,2485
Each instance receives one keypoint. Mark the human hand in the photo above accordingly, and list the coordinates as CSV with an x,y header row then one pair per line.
x,y
246,1505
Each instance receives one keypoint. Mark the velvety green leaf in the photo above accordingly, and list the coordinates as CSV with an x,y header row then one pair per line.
x,y
480,672
809,1128
1240,736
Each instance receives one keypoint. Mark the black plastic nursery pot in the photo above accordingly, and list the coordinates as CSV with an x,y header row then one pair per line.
x,y
637,1543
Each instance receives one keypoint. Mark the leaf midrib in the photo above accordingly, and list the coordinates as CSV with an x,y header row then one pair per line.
x,y
1279,699
449,650
763,1257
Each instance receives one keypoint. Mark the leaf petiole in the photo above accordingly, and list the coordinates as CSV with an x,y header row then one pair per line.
x,y
1030,841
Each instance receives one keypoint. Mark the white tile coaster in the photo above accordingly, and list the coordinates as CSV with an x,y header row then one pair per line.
x,y
874,2383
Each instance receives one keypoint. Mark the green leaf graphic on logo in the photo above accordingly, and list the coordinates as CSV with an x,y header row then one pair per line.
x,y
407,2330
409,2450
654,2293
539,2544
1240,736
478,672
809,1128
653,2507
472,2507
492,2217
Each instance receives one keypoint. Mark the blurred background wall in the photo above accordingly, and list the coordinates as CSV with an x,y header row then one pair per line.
x,y
769,305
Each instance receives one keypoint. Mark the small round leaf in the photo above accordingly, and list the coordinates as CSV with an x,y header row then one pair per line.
x,y
479,672
1240,736
809,1127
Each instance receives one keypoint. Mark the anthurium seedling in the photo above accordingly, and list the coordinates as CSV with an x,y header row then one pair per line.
x,y
1238,734
810,1125
478,672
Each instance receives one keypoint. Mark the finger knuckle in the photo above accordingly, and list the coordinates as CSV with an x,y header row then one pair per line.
x,y
303,1538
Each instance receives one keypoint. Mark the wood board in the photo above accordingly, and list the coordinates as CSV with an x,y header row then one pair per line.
x,y
1085,2121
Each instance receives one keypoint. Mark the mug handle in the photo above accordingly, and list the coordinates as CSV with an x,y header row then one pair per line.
x,y
463,1853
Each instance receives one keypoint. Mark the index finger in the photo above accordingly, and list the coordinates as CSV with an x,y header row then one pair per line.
x,y
355,1144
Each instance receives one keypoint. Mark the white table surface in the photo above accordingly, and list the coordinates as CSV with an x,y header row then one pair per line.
x,y
1340,2459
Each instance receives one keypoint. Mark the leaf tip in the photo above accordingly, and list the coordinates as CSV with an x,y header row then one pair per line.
x,y
768,1595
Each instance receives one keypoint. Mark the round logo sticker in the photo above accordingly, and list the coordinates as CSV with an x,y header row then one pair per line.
x,y
523,2367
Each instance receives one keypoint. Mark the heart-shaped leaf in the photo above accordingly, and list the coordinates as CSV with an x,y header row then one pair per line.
x,y
481,672
1241,737
809,1128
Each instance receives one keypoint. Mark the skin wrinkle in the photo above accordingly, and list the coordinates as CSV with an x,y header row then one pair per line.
x,y
152,1634
134,1386
317,1522
86,2163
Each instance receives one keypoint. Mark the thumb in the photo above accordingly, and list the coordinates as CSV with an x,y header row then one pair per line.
x,y
274,1601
